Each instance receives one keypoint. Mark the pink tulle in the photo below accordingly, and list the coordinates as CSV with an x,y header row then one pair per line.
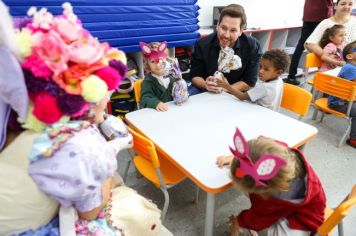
x,y
88,50
68,30
51,48
64,55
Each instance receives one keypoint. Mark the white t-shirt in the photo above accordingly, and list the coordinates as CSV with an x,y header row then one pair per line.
x,y
267,94
164,81
327,23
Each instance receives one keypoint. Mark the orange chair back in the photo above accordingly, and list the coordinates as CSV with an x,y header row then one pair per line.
x,y
137,91
296,99
339,213
145,148
312,60
335,86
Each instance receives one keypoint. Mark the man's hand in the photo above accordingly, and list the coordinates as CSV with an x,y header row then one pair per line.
x,y
162,107
210,85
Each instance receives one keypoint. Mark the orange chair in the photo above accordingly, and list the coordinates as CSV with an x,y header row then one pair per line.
x,y
158,170
311,61
137,91
337,87
335,216
296,99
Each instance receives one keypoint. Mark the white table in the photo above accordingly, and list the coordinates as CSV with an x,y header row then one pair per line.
x,y
195,134
333,72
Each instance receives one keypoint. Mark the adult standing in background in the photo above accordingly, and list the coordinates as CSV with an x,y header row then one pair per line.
x,y
228,33
342,16
314,12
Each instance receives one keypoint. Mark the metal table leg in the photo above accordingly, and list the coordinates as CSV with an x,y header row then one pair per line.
x,y
209,214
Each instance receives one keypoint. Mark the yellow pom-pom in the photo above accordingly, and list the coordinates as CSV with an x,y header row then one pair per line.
x,y
24,40
93,89
32,122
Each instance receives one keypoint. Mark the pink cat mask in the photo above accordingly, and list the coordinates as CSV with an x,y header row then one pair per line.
x,y
265,168
154,53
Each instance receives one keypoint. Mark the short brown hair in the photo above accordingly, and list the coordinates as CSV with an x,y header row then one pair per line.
x,y
281,182
234,11
348,49
279,58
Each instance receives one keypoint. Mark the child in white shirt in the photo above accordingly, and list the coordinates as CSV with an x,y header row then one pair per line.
x,y
269,88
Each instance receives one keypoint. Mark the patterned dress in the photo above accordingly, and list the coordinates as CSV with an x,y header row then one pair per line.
x,y
70,163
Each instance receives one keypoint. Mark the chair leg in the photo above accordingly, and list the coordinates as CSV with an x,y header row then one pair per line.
x,y
127,170
322,117
196,195
313,97
340,229
132,155
315,114
166,203
345,134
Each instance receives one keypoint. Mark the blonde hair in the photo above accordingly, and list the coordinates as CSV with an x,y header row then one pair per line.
x,y
7,31
281,182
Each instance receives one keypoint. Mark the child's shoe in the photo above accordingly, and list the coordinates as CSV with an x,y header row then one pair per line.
x,y
351,142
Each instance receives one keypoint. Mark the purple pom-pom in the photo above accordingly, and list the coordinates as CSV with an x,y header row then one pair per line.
x,y
20,23
119,66
70,104
34,84
53,88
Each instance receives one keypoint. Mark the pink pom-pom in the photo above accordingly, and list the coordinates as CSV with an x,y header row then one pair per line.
x,y
46,108
37,66
111,77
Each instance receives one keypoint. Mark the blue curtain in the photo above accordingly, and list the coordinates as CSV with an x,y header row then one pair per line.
x,y
124,23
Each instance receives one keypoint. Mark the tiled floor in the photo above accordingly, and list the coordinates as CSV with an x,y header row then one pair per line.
x,y
335,167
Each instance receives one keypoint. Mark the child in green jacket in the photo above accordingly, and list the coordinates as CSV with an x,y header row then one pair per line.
x,y
156,88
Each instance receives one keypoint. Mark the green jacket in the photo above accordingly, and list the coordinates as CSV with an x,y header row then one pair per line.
x,y
152,92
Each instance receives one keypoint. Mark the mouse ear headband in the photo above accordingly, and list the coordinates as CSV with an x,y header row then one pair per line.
x,y
264,169
154,53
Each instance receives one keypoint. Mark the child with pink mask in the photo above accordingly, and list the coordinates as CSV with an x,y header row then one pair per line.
x,y
156,88
281,185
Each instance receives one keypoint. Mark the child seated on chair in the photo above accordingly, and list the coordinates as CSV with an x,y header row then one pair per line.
x,y
156,88
286,195
348,72
269,87
332,42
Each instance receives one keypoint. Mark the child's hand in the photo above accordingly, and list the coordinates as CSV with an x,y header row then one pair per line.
x,y
224,160
341,63
234,226
162,107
